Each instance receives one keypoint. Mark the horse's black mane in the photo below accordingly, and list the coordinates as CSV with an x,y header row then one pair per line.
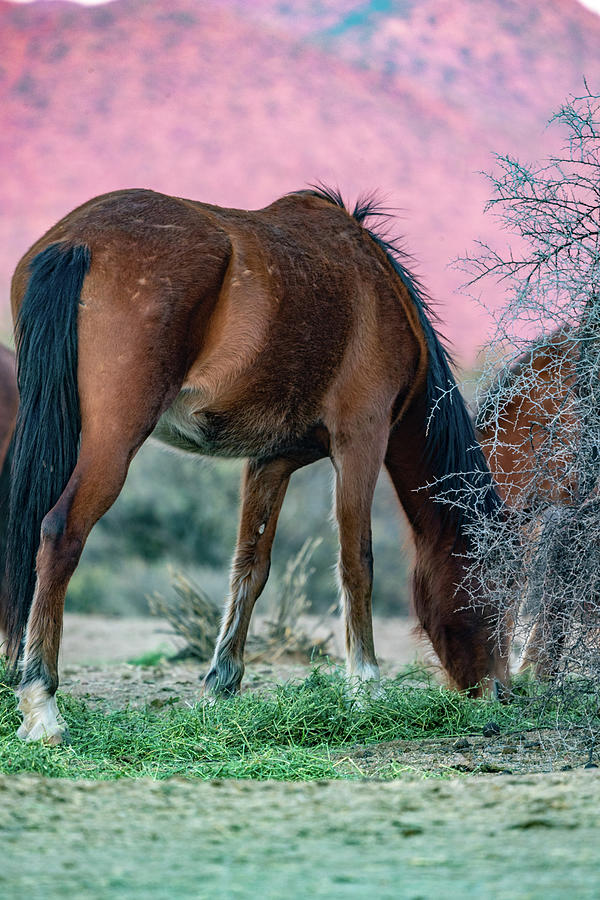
x,y
452,447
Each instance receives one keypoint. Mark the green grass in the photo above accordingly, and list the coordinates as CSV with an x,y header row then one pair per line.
x,y
295,732
150,658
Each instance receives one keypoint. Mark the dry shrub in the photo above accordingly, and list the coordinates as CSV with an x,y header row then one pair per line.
x,y
539,565
192,614
285,629
195,618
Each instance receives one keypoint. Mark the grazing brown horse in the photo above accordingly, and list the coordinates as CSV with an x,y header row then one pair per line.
x,y
9,400
282,335
523,437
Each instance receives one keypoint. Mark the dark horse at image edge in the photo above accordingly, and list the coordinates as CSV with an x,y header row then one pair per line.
x,y
282,336
9,401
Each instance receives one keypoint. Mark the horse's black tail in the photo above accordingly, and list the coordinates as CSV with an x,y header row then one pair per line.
x,y
48,421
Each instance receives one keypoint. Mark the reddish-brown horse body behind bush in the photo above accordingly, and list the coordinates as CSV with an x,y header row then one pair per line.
x,y
282,335
526,424
521,431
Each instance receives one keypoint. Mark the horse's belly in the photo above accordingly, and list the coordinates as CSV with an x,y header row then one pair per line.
x,y
196,431
244,430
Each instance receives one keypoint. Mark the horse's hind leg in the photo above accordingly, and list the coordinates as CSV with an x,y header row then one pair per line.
x,y
357,462
263,489
107,447
93,487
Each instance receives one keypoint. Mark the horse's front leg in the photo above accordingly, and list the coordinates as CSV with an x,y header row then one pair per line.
x,y
357,464
264,484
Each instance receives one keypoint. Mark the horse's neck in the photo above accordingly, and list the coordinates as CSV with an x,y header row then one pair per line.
x,y
439,599
437,539
462,633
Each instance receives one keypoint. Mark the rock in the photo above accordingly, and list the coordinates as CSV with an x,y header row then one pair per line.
x,y
461,744
490,729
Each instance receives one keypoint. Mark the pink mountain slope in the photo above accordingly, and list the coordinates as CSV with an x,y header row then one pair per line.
x,y
236,103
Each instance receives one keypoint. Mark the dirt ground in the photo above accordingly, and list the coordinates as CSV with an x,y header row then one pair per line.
x,y
506,833
498,837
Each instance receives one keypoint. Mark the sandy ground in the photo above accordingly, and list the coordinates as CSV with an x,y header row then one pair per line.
x,y
92,639
494,838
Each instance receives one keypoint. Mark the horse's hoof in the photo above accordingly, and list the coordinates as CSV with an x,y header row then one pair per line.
x,y
363,685
60,737
211,693
22,732
51,738
212,690
222,682
41,718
